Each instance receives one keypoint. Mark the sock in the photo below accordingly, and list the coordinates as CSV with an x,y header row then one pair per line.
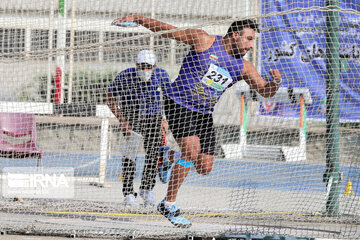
x,y
184,163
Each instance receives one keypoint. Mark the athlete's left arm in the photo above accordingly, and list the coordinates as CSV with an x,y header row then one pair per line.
x,y
256,82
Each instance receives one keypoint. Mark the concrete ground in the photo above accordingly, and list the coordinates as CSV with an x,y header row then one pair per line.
x,y
213,211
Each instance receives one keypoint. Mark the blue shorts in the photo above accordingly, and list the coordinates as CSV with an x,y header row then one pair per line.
x,y
184,122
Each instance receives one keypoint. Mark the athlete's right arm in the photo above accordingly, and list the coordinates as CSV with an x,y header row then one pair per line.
x,y
110,100
197,38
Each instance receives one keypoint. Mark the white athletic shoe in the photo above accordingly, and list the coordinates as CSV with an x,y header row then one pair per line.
x,y
130,200
148,197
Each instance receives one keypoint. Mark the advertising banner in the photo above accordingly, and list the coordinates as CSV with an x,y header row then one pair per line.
x,y
293,41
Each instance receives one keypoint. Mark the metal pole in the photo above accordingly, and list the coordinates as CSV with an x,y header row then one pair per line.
x,y
303,123
153,12
60,58
103,150
72,39
243,125
50,42
101,47
332,174
27,42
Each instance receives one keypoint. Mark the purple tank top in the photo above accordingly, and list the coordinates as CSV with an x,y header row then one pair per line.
x,y
204,77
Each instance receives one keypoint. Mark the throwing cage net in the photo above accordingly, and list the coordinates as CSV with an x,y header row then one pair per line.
x,y
282,164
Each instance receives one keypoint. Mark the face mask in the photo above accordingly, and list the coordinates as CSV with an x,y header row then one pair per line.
x,y
144,75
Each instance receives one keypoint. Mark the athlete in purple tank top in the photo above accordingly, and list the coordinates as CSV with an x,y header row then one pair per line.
x,y
204,76
213,65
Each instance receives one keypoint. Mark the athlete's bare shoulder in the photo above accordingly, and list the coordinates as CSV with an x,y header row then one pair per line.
x,y
204,41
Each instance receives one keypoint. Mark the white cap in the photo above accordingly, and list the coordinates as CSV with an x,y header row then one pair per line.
x,y
146,56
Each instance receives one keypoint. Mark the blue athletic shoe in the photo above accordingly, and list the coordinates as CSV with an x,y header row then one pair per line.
x,y
165,165
174,215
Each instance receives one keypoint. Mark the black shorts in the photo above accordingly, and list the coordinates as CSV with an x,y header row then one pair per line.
x,y
186,123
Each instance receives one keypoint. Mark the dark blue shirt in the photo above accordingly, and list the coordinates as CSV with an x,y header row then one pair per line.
x,y
143,98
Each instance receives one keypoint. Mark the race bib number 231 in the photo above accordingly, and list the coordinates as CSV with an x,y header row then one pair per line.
x,y
217,78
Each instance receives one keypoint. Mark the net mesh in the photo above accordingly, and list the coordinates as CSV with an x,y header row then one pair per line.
x,y
284,164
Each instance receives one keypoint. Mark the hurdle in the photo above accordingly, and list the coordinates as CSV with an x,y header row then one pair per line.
x,y
242,149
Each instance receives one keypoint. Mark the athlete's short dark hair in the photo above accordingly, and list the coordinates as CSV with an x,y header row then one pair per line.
x,y
238,26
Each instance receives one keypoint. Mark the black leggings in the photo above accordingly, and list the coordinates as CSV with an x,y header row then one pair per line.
x,y
150,129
